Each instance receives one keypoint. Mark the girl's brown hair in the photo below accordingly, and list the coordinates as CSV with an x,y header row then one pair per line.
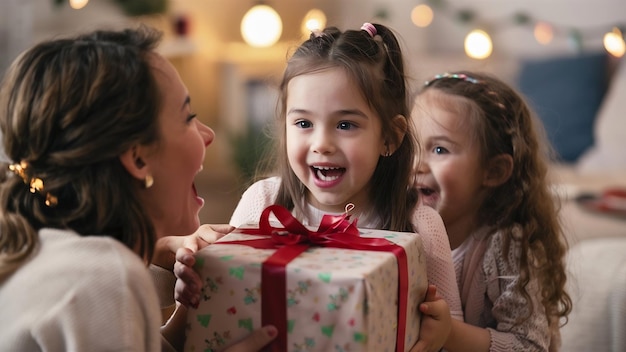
x,y
68,109
375,64
523,208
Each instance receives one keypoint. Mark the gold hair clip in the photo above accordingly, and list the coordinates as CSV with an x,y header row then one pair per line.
x,y
19,169
35,184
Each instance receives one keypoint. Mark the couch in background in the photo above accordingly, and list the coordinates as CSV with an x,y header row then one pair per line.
x,y
593,165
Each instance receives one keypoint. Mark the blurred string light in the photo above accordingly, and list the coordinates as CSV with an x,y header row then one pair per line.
x,y
78,4
543,32
261,26
614,42
422,15
478,42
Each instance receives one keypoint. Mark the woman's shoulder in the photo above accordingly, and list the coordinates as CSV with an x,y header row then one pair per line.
x,y
84,274
100,257
85,270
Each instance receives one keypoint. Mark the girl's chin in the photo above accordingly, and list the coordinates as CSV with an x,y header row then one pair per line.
x,y
328,205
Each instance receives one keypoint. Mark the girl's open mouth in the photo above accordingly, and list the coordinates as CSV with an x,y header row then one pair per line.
x,y
426,191
327,174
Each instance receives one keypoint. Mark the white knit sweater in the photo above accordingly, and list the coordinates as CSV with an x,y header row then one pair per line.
x,y
79,294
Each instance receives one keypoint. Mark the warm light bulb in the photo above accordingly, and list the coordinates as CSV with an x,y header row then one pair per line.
x,y
614,43
422,15
314,20
78,4
543,33
261,26
478,44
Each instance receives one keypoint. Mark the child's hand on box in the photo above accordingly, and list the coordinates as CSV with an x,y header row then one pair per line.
x,y
166,247
436,322
188,283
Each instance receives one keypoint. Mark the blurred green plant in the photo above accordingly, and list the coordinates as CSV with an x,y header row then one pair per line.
x,y
250,150
143,7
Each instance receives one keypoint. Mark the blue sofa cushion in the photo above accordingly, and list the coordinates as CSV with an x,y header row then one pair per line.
x,y
566,93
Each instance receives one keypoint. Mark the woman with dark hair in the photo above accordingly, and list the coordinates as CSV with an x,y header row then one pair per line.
x,y
103,149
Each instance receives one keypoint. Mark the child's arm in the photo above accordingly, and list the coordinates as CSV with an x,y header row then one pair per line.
x,y
439,266
466,337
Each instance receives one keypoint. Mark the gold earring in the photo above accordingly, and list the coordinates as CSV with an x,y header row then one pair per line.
x,y
148,181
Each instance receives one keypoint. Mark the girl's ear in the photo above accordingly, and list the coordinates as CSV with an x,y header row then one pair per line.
x,y
499,170
134,163
400,125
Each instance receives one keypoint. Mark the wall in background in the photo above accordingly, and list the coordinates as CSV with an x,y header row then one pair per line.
x,y
216,65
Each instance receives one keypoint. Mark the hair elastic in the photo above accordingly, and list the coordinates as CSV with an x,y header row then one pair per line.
x,y
369,28
460,76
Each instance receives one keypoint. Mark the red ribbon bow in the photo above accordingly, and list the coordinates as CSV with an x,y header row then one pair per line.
x,y
295,238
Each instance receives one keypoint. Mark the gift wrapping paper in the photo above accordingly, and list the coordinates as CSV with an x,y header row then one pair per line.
x,y
337,299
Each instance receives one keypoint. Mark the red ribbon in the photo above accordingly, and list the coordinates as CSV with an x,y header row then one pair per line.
x,y
295,238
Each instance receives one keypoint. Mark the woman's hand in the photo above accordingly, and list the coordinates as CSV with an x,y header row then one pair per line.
x,y
258,339
188,282
174,334
436,322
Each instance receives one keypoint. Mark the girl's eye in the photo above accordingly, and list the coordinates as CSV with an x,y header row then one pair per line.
x,y
191,117
345,125
304,124
440,150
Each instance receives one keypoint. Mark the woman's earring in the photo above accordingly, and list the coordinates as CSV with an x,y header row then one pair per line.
x,y
148,181
387,153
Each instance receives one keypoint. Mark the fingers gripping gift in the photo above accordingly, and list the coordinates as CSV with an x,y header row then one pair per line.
x,y
336,288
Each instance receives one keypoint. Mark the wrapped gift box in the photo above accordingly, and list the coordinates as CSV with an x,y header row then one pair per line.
x,y
337,299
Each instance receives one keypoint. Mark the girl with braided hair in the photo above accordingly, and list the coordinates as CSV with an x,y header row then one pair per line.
x,y
483,168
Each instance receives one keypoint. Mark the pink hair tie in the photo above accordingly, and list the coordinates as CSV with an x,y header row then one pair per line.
x,y
369,28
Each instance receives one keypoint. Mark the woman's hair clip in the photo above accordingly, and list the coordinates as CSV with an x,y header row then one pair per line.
x,y
35,183
369,28
459,76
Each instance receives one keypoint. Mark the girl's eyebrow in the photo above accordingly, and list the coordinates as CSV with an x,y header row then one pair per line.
x,y
442,139
355,112
297,111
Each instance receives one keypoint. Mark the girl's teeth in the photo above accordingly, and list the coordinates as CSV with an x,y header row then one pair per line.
x,y
328,174
324,177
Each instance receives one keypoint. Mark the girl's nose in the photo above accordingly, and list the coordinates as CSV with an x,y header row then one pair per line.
x,y
322,143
